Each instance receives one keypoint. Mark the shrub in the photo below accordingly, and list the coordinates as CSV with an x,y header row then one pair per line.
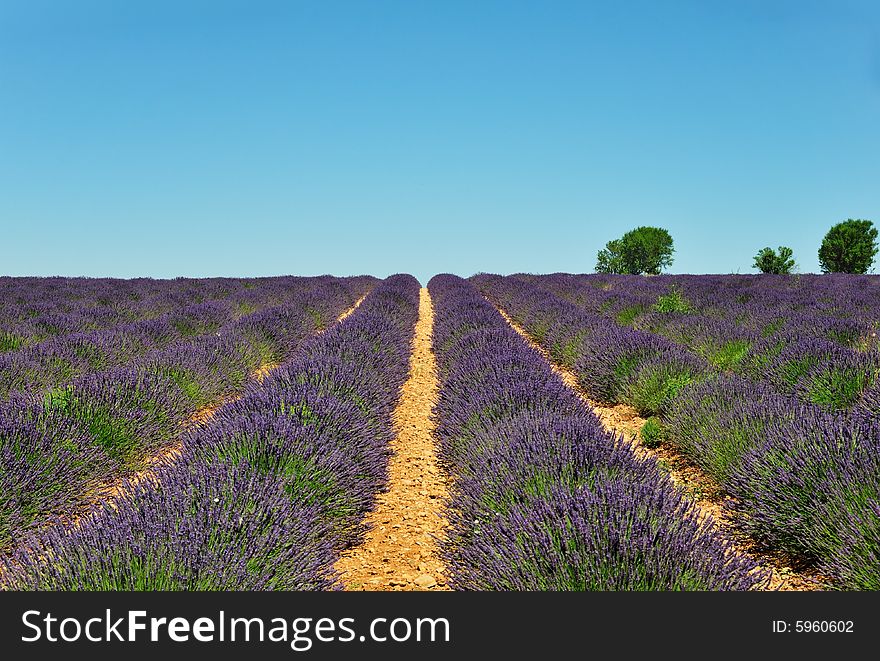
x,y
769,261
655,384
835,386
652,432
674,301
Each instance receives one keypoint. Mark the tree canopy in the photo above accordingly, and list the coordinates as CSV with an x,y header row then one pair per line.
x,y
849,247
644,249
769,261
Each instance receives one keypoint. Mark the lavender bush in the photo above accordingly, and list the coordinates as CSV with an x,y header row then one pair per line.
x,y
218,526
543,497
793,438
613,364
278,304
815,337
118,418
806,480
265,494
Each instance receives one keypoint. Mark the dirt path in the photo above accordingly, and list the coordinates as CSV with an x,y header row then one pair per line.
x,y
708,496
348,312
399,551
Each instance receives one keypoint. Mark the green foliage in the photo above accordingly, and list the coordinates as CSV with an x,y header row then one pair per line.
x,y
645,250
837,388
610,258
652,432
58,369
794,369
302,475
628,315
769,261
728,355
114,432
316,317
113,427
187,327
302,411
568,353
96,359
867,342
654,386
849,247
758,358
188,383
623,371
244,308
730,442
9,342
674,301
772,327
498,498
58,399
269,353
709,436
538,330
849,337
604,306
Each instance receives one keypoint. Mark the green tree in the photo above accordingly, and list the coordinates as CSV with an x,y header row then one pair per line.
x,y
769,261
849,247
642,250
609,258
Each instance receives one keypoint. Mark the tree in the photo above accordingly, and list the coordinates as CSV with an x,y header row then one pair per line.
x,y
609,258
642,250
849,247
768,261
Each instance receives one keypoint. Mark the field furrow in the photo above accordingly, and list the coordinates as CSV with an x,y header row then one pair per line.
x,y
803,479
61,451
268,491
708,496
166,456
542,496
496,433
400,550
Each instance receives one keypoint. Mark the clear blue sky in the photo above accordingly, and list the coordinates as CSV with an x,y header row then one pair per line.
x,y
257,138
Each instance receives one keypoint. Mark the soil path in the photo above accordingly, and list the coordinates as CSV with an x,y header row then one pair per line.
x,y
400,551
708,496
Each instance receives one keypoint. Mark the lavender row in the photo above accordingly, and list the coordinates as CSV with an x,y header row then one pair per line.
x,y
806,480
613,363
60,360
266,494
543,498
33,310
832,297
36,309
815,338
57,448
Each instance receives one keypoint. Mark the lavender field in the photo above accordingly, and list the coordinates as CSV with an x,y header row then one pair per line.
x,y
767,384
583,432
